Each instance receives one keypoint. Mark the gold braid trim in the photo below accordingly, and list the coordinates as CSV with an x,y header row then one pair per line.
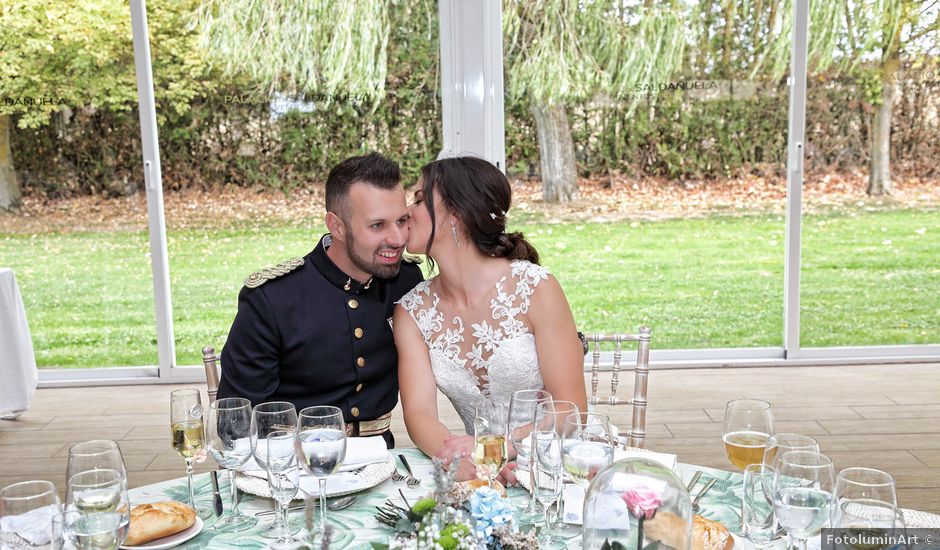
x,y
258,278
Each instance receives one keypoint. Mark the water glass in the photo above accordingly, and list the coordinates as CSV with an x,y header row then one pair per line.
x,y
550,418
802,494
587,445
521,416
757,510
321,447
778,444
98,531
865,499
188,435
283,481
26,509
747,427
229,444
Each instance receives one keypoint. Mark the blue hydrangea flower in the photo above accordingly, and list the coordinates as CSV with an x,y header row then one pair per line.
x,y
489,511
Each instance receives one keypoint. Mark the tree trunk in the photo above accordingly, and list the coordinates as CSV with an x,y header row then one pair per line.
x,y
9,184
556,154
879,175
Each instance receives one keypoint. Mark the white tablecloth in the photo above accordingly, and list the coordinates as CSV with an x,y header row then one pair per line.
x,y
17,362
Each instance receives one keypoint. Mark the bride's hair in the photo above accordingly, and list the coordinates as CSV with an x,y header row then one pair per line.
x,y
479,195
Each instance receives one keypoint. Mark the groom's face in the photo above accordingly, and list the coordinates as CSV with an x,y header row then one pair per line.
x,y
376,229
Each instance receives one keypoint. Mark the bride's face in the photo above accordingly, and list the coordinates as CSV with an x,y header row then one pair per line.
x,y
419,221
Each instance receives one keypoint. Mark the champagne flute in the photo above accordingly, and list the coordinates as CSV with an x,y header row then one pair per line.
x,y
865,501
321,447
587,445
548,478
550,418
802,494
748,424
23,506
283,480
229,444
778,444
189,435
266,419
490,449
521,417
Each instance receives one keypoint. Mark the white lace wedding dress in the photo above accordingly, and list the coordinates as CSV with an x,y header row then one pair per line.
x,y
486,348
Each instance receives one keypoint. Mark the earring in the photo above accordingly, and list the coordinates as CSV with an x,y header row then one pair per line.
x,y
453,231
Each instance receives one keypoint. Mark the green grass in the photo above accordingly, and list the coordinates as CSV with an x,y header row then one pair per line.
x,y
869,278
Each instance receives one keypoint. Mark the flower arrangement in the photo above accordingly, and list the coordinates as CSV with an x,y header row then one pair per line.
x,y
454,517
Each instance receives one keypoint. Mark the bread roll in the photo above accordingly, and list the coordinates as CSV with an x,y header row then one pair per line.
x,y
157,520
706,534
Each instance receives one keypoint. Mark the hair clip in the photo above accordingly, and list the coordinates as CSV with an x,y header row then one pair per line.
x,y
492,215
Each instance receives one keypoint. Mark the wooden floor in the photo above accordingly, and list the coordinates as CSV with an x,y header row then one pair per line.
x,y
886,417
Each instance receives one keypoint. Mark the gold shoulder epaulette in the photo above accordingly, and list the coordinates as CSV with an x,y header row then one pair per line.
x,y
412,259
258,278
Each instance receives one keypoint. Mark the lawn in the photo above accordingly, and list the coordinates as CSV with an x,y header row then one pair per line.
x,y
869,278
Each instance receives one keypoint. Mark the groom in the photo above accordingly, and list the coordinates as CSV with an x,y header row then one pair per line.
x,y
315,330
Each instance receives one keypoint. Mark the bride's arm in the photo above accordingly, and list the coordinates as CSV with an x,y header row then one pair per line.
x,y
561,357
417,386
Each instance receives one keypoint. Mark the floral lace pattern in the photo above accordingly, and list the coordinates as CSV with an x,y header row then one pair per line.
x,y
498,356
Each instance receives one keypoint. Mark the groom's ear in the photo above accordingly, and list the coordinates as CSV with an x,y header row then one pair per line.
x,y
336,226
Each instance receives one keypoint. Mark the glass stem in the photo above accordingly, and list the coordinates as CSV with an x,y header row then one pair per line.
x,y
546,508
802,543
322,481
189,478
532,485
231,481
285,529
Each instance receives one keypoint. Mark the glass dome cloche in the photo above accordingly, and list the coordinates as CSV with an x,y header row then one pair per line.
x,y
636,503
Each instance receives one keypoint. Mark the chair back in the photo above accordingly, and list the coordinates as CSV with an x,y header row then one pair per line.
x,y
636,436
211,362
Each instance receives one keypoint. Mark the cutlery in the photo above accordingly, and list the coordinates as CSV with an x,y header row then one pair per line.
x,y
693,481
339,503
216,495
695,506
412,480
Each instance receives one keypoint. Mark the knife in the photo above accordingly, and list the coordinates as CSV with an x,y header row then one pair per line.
x,y
215,493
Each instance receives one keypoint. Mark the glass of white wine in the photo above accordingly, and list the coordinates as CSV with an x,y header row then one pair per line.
x,y
748,424
189,435
490,440
802,495
321,447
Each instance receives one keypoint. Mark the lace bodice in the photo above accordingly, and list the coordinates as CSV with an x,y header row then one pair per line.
x,y
486,348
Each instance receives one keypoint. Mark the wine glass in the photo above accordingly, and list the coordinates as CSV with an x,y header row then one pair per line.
x,y
490,449
283,480
189,435
778,444
550,417
23,507
97,489
99,454
321,447
548,475
229,444
521,416
802,494
748,425
268,418
587,445
865,500
757,509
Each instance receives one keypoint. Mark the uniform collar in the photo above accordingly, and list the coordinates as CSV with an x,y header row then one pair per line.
x,y
334,274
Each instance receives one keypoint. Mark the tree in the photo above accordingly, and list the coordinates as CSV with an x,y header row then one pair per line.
x,y
62,56
559,52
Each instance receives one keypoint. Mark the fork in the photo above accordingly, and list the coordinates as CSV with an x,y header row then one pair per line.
x,y
695,506
411,480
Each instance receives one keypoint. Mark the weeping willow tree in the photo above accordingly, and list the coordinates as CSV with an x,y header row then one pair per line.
x,y
559,52
293,47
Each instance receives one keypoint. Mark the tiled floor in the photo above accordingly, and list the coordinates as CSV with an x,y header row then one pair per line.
x,y
885,416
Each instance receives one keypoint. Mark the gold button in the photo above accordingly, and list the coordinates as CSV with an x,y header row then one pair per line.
x,y
353,303
361,362
355,412
359,387
358,332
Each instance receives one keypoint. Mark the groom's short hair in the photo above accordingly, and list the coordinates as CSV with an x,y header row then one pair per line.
x,y
373,168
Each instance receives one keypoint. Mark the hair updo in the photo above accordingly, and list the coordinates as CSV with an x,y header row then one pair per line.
x,y
479,195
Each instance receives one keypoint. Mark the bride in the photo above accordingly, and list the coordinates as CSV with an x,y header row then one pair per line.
x,y
491,322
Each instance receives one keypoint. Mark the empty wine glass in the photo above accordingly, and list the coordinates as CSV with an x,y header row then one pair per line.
x,y
267,419
321,447
229,444
99,454
778,444
587,445
26,508
550,417
548,475
283,480
748,424
757,509
188,435
490,450
802,494
521,417
865,501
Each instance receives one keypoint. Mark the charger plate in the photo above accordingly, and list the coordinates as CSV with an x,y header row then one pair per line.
x,y
339,484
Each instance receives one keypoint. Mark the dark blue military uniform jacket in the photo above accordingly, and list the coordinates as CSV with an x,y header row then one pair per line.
x,y
303,337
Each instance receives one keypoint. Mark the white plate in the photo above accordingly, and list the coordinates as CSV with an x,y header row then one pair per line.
x,y
172,540
341,483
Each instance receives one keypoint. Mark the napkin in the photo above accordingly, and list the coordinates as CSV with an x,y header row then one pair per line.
x,y
360,451
668,460
33,526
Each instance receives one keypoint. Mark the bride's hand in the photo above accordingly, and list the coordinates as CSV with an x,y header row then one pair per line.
x,y
508,475
454,445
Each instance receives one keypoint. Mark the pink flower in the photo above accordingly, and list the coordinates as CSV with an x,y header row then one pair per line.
x,y
642,501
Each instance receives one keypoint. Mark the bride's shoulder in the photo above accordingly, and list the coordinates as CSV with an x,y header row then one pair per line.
x,y
526,272
415,297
